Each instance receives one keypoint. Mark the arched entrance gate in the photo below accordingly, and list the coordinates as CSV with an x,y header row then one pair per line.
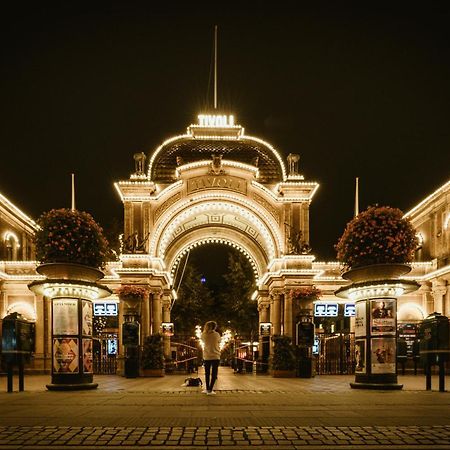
x,y
215,184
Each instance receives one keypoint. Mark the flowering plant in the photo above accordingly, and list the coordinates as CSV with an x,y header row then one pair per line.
x,y
305,293
379,235
131,291
70,236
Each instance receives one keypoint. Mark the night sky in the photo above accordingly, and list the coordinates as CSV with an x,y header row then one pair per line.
x,y
357,92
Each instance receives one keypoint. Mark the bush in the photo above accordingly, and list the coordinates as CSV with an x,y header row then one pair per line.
x,y
283,357
153,352
379,235
67,236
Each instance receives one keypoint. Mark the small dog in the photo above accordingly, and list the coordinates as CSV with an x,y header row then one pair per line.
x,y
193,382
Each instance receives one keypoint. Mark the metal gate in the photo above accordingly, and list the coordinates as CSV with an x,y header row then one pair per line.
x,y
184,356
335,354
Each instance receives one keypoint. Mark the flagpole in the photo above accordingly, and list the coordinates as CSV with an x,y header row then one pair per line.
x,y
357,196
73,192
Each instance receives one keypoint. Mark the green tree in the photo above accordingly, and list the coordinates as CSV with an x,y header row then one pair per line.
x,y
194,303
237,307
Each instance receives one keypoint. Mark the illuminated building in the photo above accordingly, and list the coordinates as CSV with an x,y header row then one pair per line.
x,y
216,184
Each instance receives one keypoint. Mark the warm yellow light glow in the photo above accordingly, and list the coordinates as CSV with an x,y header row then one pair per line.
x,y
11,235
214,240
375,291
27,310
215,120
428,199
53,290
19,213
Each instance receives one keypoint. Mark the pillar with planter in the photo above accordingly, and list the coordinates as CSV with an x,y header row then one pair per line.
x,y
375,247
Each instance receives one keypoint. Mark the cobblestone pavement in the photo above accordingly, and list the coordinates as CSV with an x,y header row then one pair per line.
x,y
233,437
248,411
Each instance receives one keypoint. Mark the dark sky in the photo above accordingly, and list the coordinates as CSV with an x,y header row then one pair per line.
x,y
356,91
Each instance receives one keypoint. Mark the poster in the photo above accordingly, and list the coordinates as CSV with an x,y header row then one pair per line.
x,y
360,356
87,318
87,356
65,316
382,316
360,319
383,355
65,355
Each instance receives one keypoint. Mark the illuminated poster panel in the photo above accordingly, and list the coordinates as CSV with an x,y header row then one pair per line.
x,y
65,316
383,355
360,319
65,355
87,318
382,316
360,356
87,356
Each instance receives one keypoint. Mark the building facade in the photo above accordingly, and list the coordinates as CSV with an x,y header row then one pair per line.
x,y
216,184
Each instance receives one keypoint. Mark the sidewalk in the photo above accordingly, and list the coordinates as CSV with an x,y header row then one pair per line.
x,y
248,410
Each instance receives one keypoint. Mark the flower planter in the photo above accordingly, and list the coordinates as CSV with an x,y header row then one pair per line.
x,y
376,272
70,271
152,372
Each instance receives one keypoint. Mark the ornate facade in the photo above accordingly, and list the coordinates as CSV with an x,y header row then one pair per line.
x,y
215,184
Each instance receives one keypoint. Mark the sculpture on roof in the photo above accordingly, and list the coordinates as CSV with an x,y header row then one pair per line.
x,y
139,163
293,160
216,165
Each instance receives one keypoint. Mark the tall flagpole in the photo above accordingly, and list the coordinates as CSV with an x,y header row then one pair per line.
x,y
357,196
215,66
73,192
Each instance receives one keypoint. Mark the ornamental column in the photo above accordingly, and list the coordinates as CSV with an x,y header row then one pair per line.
x,y
264,335
438,290
275,312
288,320
166,318
156,312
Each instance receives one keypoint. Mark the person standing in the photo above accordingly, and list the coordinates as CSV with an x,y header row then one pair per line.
x,y
211,354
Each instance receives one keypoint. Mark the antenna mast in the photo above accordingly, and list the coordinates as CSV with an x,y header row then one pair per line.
x,y
215,66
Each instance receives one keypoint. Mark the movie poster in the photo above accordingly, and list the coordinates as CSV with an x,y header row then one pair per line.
x,y
65,316
360,356
360,319
87,356
382,316
65,355
87,317
383,355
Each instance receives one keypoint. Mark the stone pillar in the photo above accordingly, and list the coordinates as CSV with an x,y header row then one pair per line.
x,y
439,289
156,312
264,340
166,318
288,320
427,299
275,315
145,317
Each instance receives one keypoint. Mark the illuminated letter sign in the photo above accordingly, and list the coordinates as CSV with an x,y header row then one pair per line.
x,y
167,328
106,309
215,121
326,309
349,310
264,328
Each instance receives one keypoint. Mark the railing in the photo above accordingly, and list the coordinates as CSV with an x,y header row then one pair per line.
x,y
105,365
336,354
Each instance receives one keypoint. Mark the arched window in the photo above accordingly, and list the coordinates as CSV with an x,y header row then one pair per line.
x,y
12,245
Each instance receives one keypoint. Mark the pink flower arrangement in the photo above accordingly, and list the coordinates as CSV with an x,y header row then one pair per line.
x,y
305,293
68,236
129,291
379,235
